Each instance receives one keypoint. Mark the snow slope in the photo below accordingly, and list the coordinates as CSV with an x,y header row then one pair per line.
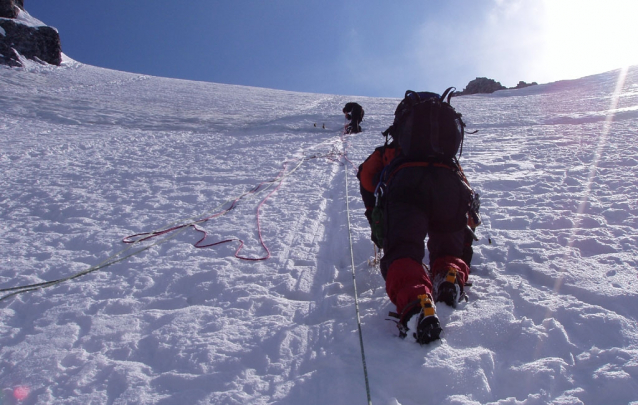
x,y
89,156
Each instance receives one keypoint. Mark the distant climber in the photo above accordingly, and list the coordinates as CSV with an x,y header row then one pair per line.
x,y
354,114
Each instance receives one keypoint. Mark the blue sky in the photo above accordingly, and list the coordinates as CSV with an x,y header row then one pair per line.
x,y
359,47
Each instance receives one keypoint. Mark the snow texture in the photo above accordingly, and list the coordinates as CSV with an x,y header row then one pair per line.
x,y
27,19
89,156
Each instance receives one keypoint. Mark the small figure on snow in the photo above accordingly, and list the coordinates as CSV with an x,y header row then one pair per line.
x,y
354,114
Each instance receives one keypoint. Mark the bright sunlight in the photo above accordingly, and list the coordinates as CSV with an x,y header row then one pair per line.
x,y
583,37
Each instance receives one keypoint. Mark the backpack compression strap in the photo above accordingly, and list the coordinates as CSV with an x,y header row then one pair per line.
x,y
449,96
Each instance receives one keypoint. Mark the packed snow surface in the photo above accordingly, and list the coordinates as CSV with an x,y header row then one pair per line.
x,y
90,156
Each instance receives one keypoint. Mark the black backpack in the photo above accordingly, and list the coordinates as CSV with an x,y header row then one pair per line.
x,y
354,111
427,127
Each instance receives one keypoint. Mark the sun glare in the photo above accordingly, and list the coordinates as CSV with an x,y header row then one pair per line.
x,y
583,37
598,153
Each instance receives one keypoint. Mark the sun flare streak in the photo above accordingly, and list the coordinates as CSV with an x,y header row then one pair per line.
x,y
602,142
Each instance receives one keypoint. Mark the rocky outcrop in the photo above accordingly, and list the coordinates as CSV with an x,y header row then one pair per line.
x,y
522,85
10,8
37,42
481,85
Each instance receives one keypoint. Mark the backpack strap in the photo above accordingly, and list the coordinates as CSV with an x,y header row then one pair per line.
x,y
412,97
435,111
449,96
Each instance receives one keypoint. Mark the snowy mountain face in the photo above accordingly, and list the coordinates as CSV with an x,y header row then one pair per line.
x,y
90,156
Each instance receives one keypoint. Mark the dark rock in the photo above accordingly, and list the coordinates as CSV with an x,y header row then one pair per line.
x,y
10,8
36,43
481,85
522,85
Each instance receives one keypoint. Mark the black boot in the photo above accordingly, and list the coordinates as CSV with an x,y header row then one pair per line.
x,y
446,288
428,327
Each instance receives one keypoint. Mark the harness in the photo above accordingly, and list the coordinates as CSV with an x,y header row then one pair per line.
x,y
388,174
421,164
385,178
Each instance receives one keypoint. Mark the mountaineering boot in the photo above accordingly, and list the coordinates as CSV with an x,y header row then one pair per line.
x,y
428,327
421,316
447,288
428,330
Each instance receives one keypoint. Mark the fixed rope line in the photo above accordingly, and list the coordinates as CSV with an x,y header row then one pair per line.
x,y
115,258
255,190
332,155
354,282
108,262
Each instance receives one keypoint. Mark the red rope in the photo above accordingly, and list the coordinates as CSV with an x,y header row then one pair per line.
x,y
141,237
241,242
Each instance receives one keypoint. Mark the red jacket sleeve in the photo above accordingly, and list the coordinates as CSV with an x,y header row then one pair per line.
x,y
370,170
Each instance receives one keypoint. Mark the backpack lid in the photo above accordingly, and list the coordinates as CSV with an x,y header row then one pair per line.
x,y
421,95
413,97
427,126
